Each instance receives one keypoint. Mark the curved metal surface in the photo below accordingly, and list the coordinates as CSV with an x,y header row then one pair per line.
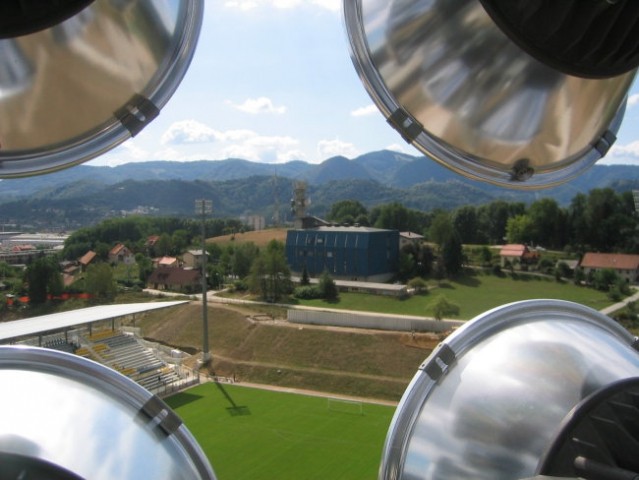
x,y
458,89
76,90
87,419
489,401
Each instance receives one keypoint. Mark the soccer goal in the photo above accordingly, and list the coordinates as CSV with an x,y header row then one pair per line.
x,y
341,405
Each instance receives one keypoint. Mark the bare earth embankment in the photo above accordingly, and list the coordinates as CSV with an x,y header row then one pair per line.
x,y
257,349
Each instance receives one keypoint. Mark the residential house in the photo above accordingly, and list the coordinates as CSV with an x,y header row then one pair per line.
x,y
121,254
174,279
625,265
151,241
193,259
518,255
409,238
86,259
167,262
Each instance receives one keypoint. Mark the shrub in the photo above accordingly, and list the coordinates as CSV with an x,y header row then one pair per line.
x,y
444,308
240,286
419,285
307,293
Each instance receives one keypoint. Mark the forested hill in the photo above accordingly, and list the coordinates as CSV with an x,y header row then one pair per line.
x,y
84,194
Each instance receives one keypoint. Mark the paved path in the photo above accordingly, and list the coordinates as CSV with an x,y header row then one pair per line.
x,y
618,306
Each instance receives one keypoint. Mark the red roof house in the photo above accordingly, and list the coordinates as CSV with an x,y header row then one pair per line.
x,y
121,254
626,266
518,254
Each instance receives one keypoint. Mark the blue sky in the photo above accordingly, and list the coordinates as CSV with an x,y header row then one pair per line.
x,y
272,81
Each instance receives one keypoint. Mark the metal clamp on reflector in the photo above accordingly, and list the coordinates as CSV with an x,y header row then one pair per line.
x,y
541,387
484,86
64,417
80,77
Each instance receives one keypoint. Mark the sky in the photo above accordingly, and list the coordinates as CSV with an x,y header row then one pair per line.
x,y
272,81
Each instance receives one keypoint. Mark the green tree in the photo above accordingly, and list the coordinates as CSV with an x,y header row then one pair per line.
x,y
304,281
452,255
577,222
43,278
486,256
347,211
180,240
164,245
549,223
520,229
99,282
327,287
270,275
605,279
145,266
466,222
395,216
242,258
441,228
406,268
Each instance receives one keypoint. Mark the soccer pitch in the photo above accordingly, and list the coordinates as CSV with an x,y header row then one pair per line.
x,y
254,434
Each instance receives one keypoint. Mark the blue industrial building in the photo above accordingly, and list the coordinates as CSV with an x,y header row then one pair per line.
x,y
348,253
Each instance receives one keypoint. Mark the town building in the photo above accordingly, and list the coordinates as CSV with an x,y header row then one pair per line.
x,y
38,240
193,259
255,222
348,253
86,259
625,265
166,261
518,255
121,254
409,238
174,279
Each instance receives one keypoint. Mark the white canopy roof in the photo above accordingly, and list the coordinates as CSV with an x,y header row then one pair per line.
x,y
60,321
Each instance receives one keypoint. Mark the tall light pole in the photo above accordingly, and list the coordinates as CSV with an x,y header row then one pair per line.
x,y
204,208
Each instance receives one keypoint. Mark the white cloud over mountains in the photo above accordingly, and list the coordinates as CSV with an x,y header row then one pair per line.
x,y
260,105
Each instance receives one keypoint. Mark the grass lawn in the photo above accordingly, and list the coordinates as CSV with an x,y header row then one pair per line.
x,y
473,294
252,434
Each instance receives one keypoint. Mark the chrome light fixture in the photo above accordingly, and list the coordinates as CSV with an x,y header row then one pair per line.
x,y
540,388
520,93
79,77
63,417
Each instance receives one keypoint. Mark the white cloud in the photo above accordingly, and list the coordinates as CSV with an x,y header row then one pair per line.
x,y
401,148
633,99
332,5
629,150
189,131
332,148
260,148
259,105
365,111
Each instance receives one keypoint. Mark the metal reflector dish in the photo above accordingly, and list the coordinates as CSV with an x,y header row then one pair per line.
x,y
493,399
461,91
74,90
65,417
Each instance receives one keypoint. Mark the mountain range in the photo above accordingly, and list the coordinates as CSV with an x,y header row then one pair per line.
x,y
86,194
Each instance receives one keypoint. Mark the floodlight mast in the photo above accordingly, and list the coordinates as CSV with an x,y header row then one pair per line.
x,y
204,208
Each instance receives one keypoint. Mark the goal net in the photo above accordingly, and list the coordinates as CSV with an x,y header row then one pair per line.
x,y
342,405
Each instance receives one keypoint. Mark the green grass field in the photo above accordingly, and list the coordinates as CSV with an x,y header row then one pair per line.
x,y
253,434
474,295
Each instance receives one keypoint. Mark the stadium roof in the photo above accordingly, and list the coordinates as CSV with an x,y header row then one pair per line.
x,y
59,321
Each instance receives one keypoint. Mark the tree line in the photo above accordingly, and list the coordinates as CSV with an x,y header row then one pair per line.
x,y
602,221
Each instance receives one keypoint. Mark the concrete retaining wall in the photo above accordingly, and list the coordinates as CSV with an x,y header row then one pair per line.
x,y
370,320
